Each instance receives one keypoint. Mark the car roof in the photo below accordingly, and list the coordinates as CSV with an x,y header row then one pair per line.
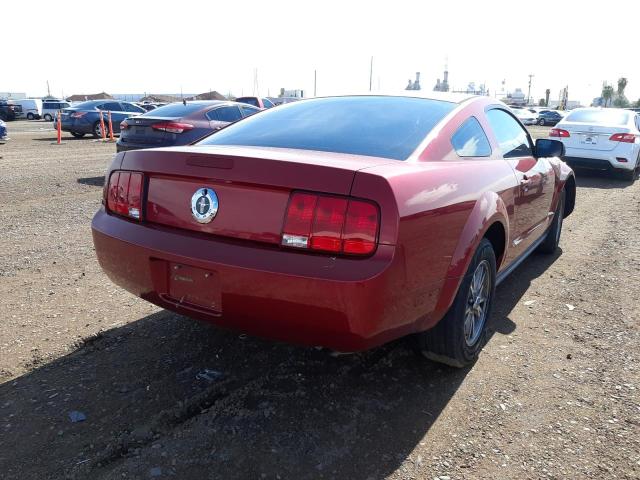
x,y
426,94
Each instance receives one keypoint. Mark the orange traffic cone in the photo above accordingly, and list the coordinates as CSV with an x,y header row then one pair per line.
x,y
58,129
111,139
102,130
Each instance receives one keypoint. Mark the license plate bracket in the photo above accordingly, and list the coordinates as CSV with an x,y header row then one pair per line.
x,y
194,287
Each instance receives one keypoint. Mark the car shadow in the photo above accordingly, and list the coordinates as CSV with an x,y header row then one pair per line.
x,y
64,138
209,394
92,181
600,179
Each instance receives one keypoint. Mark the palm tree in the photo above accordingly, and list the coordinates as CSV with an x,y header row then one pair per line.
x,y
607,94
547,92
622,84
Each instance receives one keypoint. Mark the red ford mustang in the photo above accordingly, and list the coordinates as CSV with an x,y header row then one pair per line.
x,y
344,222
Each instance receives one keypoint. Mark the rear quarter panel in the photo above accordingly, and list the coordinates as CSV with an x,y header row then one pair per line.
x,y
444,206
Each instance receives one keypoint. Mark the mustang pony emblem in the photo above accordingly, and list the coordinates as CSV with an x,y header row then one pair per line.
x,y
204,205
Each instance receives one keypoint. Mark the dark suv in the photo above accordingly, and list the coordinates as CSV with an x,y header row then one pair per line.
x,y
85,117
9,111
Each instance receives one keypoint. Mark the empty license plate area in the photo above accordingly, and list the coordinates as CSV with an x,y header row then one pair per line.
x,y
194,287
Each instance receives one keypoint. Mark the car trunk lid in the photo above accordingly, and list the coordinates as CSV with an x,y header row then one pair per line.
x,y
589,136
252,185
140,129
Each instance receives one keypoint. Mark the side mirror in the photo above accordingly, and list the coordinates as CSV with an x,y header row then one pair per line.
x,y
549,148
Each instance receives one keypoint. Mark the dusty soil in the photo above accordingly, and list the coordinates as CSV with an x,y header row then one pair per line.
x,y
553,395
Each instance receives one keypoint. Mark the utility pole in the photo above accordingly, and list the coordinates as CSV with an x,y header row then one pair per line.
x,y
48,90
371,74
529,93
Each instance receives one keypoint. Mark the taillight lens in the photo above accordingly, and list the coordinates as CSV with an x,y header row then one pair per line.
x,y
124,125
124,195
331,224
623,137
558,132
78,114
172,127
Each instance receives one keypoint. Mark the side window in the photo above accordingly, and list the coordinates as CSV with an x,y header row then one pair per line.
x,y
470,140
228,114
111,106
638,122
246,111
132,108
267,103
512,138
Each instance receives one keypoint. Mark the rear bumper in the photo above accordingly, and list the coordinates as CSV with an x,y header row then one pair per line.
x,y
340,303
76,125
601,159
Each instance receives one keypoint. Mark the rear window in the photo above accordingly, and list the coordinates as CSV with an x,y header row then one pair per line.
x,y
598,116
175,110
388,127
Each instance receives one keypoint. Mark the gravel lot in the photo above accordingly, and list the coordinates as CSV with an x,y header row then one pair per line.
x,y
554,394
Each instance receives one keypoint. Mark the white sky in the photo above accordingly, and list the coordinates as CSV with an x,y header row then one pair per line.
x,y
160,47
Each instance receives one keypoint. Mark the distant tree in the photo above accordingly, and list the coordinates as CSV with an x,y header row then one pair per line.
x,y
637,104
607,94
622,84
541,103
620,99
620,102
547,92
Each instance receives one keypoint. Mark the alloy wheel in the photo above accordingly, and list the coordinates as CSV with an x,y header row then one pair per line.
x,y
475,314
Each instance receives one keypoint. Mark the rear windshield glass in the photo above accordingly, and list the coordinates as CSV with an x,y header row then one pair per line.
x,y
389,127
175,110
598,116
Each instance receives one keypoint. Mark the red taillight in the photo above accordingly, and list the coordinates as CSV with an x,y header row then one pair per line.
x,y
558,132
623,137
124,125
78,114
333,224
360,229
172,127
326,233
124,195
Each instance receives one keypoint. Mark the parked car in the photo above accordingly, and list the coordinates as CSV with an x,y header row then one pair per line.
x,y
601,139
344,222
9,110
3,131
525,116
31,108
85,117
282,100
259,102
51,107
548,117
179,123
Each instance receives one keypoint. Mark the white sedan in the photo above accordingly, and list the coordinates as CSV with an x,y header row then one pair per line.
x,y
526,116
601,139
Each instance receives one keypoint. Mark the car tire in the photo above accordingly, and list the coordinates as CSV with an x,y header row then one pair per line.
x,y
541,122
30,116
552,237
48,117
77,134
457,339
96,130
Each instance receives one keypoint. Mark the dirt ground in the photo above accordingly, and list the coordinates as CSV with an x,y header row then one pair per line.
x,y
553,395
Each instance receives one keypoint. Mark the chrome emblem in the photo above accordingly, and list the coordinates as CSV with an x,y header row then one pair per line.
x,y
204,205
